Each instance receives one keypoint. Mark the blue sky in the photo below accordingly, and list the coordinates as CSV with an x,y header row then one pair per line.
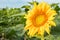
x,y
19,3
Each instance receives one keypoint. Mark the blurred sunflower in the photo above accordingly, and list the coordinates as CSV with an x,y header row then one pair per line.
x,y
40,19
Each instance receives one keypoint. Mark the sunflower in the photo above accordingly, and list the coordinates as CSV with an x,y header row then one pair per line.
x,y
40,19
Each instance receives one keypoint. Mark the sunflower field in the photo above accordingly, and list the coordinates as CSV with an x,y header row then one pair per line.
x,y
15,22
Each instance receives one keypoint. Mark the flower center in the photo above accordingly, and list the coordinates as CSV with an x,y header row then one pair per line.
x,y
40,20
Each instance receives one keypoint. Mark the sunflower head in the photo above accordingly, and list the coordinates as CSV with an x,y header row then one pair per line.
x,y
40,19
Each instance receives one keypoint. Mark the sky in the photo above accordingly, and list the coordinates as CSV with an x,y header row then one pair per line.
x,y
19,3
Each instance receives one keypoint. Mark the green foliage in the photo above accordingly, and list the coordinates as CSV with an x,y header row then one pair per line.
x,y
56,7
27,7
12,23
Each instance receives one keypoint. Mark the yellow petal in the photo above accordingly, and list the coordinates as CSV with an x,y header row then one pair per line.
x,y
27,27
41,31
45,7
32,31
51,12
47,28
51,18
28,22
52,23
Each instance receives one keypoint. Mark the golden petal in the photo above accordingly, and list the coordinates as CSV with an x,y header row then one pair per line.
x,y
51,18
32,31
27,27
41,31
52,23
47,28
51,12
